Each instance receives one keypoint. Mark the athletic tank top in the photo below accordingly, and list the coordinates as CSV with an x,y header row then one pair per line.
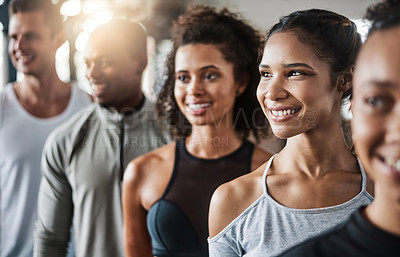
x,y
267,228
178,222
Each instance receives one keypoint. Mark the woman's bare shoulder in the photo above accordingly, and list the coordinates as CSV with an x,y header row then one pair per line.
x,y
234,197
151,161
148,175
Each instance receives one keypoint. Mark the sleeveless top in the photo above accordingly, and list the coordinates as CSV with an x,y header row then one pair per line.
x,y
267,228
178,222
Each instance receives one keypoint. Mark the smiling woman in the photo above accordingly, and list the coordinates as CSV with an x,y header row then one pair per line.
x,y
372,231
205,88
315,181
209,101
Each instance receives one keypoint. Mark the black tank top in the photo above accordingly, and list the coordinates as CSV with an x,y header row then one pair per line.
x,y
178,222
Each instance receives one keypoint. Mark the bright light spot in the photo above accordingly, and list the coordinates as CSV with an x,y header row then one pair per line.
x,y
1,26
1,2
62,62
55,1
148,77
20,76
81,72
81,41
89,25
362,28
102,17
96,19
71,8
95,6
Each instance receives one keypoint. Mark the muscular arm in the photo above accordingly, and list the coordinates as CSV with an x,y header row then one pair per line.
x,y
145,180
55,206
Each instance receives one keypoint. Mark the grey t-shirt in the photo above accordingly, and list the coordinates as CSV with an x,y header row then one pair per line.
x,y
267,228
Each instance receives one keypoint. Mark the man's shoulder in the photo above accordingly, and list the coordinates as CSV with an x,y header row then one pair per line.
x,y
77,122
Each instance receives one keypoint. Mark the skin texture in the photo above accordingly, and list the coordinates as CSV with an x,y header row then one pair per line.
x,y
32,51
114,70
201,77
324,172
376,123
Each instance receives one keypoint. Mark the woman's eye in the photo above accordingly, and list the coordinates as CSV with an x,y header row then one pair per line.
x,y
265,74
375,102
182,78
210,76
296,73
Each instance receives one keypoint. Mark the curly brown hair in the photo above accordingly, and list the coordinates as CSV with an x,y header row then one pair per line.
x,y
239,44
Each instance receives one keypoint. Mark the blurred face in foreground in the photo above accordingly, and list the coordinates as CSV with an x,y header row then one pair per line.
x,y
376,108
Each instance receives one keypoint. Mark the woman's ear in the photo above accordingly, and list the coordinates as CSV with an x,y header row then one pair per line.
x,y
345,79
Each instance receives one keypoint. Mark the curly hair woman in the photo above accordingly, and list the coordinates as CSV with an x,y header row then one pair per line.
x,y
209,101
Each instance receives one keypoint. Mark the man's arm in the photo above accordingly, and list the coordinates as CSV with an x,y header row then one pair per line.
x,y
55,206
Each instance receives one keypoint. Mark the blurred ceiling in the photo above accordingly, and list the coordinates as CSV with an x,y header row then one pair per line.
x,y
157,15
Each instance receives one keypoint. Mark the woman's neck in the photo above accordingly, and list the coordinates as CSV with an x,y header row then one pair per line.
x,y
211,142
318,152
384,211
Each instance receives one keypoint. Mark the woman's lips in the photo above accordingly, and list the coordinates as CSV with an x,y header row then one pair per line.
x,y
281,114
198,108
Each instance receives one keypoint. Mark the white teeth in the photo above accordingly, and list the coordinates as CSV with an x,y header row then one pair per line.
x,y
393,163
283,113
198,106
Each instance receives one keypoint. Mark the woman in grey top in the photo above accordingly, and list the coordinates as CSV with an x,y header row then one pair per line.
x,y
372,231
315,182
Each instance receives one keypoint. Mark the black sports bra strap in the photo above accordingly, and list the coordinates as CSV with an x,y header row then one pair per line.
x,y
178,145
